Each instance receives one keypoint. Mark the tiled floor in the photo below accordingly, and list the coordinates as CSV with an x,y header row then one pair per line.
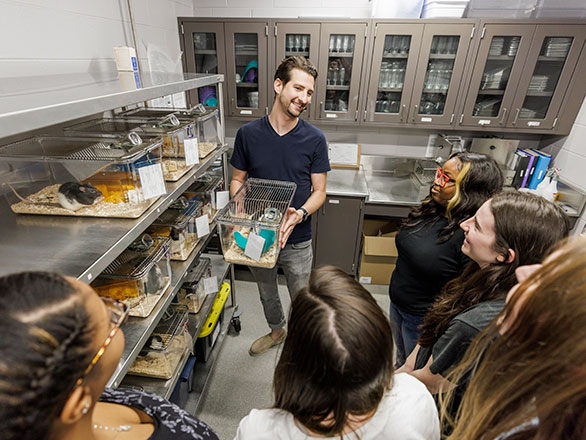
x,y
240,382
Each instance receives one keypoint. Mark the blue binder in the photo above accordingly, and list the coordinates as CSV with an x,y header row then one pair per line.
x,y
540,169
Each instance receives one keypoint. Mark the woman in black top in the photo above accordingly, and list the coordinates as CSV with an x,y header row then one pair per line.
x,y
510,230
429,242
60,344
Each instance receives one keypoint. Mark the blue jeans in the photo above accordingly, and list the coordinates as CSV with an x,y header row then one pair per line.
x,y
405,332
295,260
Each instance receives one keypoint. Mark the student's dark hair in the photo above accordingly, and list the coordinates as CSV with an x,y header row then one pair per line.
x,y
480,178
294,62
46,345
525,223
337,359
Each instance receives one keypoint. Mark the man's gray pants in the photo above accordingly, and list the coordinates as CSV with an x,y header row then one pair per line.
x,y
295,260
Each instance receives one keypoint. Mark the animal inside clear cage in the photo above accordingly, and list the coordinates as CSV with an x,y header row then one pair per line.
x,y
41,167
173,132
258,207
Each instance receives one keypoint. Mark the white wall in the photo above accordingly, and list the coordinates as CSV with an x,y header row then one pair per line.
x,y
42,37
282,8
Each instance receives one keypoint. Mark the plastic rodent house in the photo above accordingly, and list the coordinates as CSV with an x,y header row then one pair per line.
x,y
249,225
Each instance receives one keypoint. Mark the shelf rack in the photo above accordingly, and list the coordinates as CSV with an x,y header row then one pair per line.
x,y
163,387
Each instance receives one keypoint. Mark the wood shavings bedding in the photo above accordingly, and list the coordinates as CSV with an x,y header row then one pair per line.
x,y
174,169
100,209
160,364
235,254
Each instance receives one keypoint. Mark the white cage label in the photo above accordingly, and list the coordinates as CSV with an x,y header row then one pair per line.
x,y
152,181
254,246
222,199
533,124
210,285
191,151
202,225
426,119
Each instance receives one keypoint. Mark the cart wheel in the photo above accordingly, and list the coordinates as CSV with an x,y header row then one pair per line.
x,y
236,324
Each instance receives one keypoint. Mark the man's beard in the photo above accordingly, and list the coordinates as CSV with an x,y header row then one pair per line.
x,y
290,113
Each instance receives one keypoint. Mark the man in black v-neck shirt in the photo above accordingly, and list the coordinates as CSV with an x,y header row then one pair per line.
x,y
282,146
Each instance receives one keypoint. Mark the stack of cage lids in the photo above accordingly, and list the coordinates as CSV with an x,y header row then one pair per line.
x,y
109,148
135,262
205,183
258,202
179,213
196,273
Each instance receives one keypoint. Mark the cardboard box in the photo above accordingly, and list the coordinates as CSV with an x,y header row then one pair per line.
x,y
379,251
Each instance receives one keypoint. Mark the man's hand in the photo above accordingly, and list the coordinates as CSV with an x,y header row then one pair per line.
x,y
292,217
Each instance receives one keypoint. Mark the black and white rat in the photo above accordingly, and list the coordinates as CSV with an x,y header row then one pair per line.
x,y
73,195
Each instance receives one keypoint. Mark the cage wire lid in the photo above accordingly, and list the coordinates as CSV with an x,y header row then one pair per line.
x,y
258,202
168,327
196,273
135,262
204,183
113,148
179,213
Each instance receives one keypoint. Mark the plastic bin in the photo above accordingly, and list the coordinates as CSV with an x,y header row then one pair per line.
x,y
259,207
204,189
192,292
178,223
206,123
212,327
165,347
41,164
184,385
138,276
171,129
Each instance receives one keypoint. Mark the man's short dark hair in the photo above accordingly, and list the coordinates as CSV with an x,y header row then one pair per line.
x,y
294,62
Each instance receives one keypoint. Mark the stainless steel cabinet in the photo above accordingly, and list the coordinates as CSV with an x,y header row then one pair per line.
x,y
498,68
392,72
246,68
204,49
340,63
337,232
548,70
439,72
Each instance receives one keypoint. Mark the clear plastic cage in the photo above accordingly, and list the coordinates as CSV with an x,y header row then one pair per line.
x,y
192,292
38,166
138,276
258,207
204,190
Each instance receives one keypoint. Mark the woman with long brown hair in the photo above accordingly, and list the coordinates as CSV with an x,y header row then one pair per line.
x,y
510,230
529,365
335,375
430,239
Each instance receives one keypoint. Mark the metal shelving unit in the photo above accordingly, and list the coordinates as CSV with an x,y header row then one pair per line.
x,y
79,247
42,101
162,387
84,247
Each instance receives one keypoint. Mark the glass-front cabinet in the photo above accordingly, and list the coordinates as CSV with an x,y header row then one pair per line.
x,y
246,68
552,58
392,74
439,72
204,53
340,66
498,69
300,39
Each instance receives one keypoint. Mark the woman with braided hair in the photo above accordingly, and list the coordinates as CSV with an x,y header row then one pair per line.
x,y
60,345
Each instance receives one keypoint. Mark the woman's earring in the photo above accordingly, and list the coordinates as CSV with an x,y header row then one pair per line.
x,y
86,408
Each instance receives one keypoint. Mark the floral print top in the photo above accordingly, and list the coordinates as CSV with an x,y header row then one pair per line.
x,y
171,422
